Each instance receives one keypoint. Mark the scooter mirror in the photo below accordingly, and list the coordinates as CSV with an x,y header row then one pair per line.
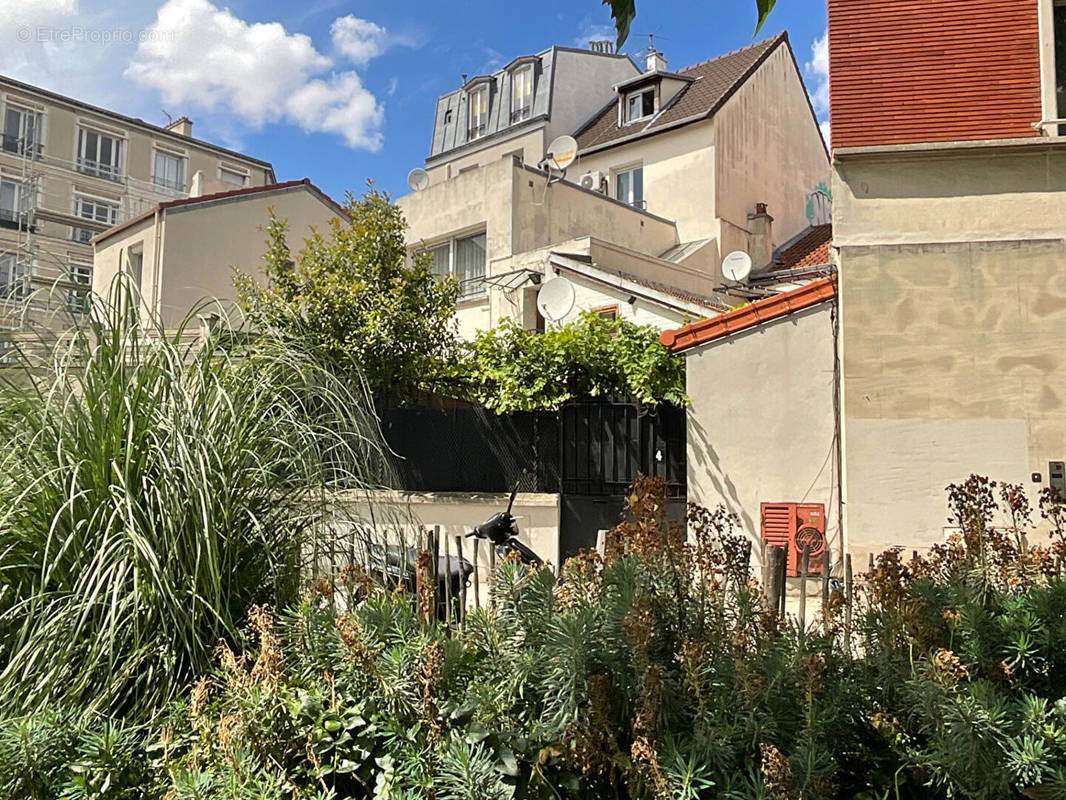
x,y
510,503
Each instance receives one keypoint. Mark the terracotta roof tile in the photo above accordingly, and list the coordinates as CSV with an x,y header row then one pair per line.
x,y
749,316
715,81
809,250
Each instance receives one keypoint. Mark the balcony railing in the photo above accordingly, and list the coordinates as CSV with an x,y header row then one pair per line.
x,y
472,288
476,131
99,169
20,147
520,114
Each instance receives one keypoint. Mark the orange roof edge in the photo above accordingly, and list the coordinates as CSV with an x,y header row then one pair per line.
x,y
740,319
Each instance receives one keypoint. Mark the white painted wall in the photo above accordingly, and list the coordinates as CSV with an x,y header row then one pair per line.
x,y
760,427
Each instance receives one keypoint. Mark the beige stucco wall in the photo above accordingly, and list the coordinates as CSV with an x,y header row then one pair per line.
x,y
953,286
191,256
679,175
458,512
769,149
530,144
761,423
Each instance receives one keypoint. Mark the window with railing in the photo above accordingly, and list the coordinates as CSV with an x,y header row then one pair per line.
x,y
522,93
168,170
14,277
464,259
79,295
478,100
104,212
22,131
99,155
14,203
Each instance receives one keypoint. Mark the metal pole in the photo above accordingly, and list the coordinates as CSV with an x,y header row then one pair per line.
x,y
477,577
462,577
804,565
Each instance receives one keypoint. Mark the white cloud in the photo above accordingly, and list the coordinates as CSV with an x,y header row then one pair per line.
x,y
200,56
824,128
394,84
593,33
358,39
818,69
339,105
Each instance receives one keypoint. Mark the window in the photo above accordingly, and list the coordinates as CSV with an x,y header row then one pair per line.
x,y
1060,61
169,170
629,186
14,277
639,105
135,263
465,259
104,212
522,93
99,154
22,131
78,298
232,177
607,312
11,196
478,100
448,117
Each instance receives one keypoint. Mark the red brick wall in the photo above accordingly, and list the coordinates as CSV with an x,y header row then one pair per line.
x,y
908,71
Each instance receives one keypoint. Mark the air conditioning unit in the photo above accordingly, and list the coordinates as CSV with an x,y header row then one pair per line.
x,y
798,527
594,182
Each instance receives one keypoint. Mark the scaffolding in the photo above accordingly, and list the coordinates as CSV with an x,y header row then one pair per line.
x,y
32,272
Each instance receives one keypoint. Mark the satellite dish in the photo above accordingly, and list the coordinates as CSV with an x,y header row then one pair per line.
x,y
736,266
562,152
417,179
555,299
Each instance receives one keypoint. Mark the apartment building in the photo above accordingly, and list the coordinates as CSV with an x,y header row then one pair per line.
x,y
949,216
70,170
673,171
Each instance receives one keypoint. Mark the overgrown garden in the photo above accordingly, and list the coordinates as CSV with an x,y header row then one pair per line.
x,y
159,636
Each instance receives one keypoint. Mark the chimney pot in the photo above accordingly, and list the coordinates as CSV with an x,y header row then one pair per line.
x,y
181,126
760,238
760,208
656,61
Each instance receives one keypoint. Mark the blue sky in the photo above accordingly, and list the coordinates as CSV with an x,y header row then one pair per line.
x,y
342,91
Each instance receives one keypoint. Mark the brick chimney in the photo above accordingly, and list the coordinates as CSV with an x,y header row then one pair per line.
x,y
181,126
656,61
760,238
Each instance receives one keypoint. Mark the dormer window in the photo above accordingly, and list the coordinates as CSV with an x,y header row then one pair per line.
x,y
522,93
478,107
639,105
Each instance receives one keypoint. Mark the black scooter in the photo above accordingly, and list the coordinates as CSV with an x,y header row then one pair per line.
x,y
502,530
397,564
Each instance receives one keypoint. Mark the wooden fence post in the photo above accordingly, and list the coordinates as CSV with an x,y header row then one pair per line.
x,y
775,578
847,599
447,582
462,578
477,577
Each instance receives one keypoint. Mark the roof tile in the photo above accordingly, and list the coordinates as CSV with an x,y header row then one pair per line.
x,y
715,80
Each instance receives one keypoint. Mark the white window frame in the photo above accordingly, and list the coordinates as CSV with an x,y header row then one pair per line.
x,y
182,159
244,174
638,96
525,74
115,170
26,111
82,199
471,288
14,277
1049,102
477,127
631,198
81,280
20,189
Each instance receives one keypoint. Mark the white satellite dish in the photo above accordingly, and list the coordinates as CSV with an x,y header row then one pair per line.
x,y
562,152
736,266
555,299
417,179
